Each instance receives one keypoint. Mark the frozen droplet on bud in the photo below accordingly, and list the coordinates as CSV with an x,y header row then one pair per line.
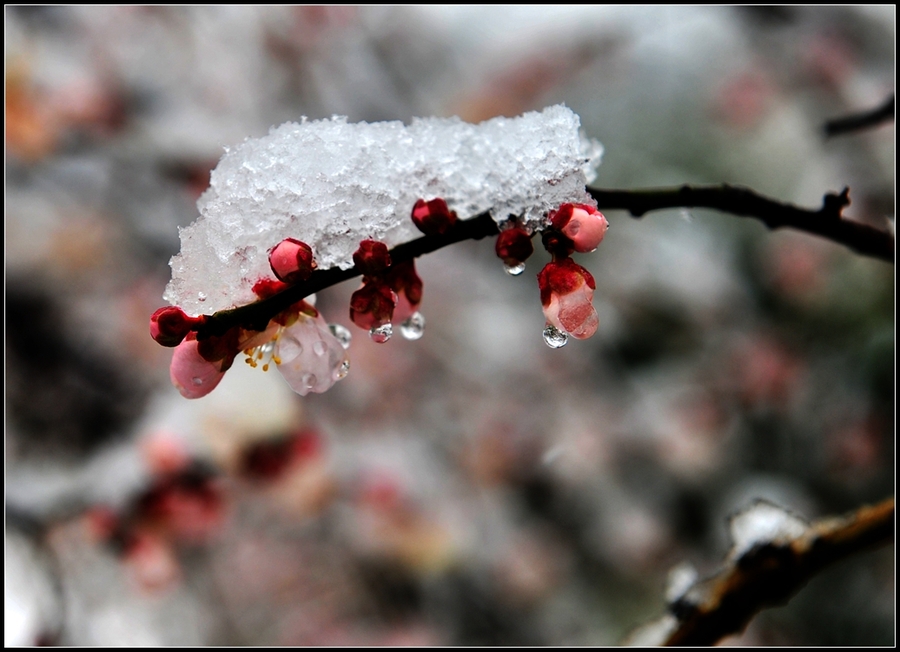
x,y
343,335
554,337
414,327
514,270
341,372
201,296
197,381
381,334
309,381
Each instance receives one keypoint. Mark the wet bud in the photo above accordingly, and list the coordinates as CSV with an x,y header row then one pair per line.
x,y
514,246
292,261
403,280
372,305
433,217
584,225
170,325
267,287
372,257
567,291
192,374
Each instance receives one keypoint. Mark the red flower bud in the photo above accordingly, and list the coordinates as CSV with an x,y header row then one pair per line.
x,y
372,305
170,325
514,246
372,257
292,261
433,217
584,225
403,280
567,290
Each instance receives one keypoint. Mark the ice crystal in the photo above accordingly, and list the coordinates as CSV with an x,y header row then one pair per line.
x,y
332,184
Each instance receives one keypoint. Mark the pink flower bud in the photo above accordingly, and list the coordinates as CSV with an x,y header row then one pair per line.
x,y
372,257
584,225
514,246
169,325
433,217
567,290
373,304
292,261
192,374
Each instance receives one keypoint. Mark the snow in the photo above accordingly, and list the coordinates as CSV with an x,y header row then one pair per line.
x,y
331,184
761,523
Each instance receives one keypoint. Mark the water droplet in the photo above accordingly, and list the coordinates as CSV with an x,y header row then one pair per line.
x,y
319,348
514,270
554,337
686,215
381,334
309,381
342,371
197,381
342,334
201,296
414,327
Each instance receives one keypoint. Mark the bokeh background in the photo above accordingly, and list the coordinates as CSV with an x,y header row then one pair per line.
x,y
472,487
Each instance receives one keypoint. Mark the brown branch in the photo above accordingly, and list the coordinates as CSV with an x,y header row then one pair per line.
x,y
827,222
766,575
861,120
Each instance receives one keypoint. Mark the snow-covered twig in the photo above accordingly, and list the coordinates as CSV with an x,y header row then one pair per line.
x,y
774,555
827,222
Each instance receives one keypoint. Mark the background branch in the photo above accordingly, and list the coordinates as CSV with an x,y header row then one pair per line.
x,y
765,576
862,120
827,222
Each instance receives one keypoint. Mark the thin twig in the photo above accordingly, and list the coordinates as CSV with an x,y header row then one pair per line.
x,y
827,222
766,575
861,120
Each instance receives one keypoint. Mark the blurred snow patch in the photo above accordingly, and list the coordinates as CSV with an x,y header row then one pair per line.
x,y
761,523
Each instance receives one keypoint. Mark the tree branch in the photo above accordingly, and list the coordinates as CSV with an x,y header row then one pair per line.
x,y
827,222
764,576
862,120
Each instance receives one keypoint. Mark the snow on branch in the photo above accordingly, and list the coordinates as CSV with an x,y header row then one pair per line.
x,y
774,554
332,184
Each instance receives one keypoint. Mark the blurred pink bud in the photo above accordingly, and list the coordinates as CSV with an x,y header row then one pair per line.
x,y
584,225
433,217
191,373
567,290
292,261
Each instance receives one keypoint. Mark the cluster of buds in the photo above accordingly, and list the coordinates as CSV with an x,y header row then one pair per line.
x,y
567,288
389,292
311,354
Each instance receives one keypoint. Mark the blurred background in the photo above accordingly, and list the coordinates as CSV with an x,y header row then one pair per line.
x,y
473,487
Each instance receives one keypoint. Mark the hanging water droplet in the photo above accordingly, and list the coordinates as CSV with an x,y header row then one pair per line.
x,y
381,334
414,327
342,334
341,372
554,337
197,381
319,348
514,270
